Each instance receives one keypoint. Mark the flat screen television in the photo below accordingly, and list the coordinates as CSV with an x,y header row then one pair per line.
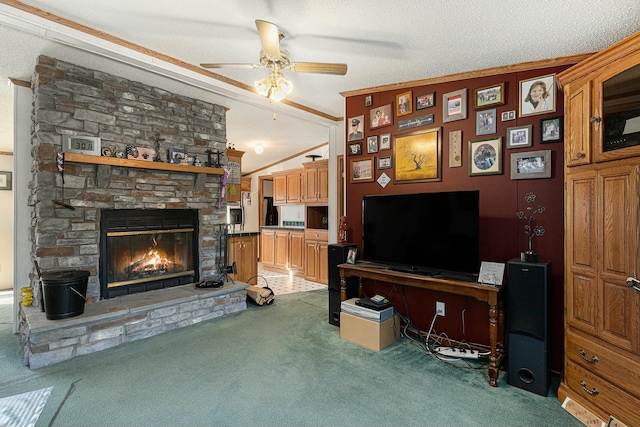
x,y
426,233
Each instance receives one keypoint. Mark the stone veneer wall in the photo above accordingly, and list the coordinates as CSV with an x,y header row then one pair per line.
x,y
69,99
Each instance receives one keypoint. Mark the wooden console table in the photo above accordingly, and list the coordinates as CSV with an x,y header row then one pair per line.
x,y
493,296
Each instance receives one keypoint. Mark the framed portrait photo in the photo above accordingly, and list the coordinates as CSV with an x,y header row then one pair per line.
x,y
361,170
403,103
485,156
427,100
486,122
355,149
519,136
551,130
488,96
418,156
381,116
368,100
372,144
356,128
385,141
384,162
531,165
454,105
351,255
537,95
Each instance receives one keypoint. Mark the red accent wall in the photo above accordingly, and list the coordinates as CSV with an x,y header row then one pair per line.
x,y
502,234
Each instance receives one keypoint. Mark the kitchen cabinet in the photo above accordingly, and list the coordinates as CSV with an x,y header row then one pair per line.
x,y
287,187
316,182
243,250
282,250
316,255
602,252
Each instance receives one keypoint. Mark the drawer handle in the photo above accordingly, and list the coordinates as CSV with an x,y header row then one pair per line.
x,y
583,353
590,392
580,155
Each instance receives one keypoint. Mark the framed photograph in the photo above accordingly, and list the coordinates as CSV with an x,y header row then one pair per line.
x,y
418,156
385,141
356,128
519,136
372,144
384,162
488,96
403,103
485,156
351,255
551,130
486,122
355,149
538,95
531,165
368,100
425,101
381,116
5,181
361,170
454,105
508,115
176,155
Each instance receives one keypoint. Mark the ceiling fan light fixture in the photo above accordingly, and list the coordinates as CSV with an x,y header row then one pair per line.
x,y
263,86
280,89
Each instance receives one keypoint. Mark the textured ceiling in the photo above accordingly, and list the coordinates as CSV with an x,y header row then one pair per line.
x,y
383,42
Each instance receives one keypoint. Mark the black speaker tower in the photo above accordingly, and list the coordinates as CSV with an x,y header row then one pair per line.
x,y
338,255
528,325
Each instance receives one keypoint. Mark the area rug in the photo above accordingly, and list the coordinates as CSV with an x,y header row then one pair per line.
x,y
23,410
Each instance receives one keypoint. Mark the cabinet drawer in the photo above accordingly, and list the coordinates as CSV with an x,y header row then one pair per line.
x,y
321,235
603,394
614,364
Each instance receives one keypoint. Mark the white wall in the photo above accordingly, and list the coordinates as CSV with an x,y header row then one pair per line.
x,y
6,197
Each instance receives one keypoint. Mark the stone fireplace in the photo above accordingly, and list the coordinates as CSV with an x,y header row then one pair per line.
x,y
73,100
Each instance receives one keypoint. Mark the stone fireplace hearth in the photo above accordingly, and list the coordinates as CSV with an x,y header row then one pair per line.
x,y
73,100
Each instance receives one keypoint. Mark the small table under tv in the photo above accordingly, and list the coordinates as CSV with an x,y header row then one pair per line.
x,y
493,295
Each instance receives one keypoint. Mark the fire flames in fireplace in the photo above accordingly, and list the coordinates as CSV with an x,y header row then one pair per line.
x,y
150,263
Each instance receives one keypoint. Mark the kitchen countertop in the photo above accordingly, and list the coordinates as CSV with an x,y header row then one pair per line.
x,y
277,227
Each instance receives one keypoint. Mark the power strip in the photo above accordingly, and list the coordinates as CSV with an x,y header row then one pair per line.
x,y
459,353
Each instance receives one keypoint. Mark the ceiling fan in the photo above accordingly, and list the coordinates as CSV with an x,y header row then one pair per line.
x,y
275,59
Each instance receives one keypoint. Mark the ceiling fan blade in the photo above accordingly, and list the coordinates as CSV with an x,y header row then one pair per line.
x,y
269,37
230,65
319,68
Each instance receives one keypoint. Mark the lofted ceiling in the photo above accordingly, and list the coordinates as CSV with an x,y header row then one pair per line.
x,y
162,43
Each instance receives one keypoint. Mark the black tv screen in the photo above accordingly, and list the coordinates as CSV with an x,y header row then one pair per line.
x,y
426,233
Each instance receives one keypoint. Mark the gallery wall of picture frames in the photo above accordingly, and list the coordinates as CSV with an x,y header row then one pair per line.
x,y
406,116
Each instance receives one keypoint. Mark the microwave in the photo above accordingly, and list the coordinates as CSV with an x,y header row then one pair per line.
x,y
235,215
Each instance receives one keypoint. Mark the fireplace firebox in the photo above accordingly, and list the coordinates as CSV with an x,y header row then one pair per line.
x,y
143,250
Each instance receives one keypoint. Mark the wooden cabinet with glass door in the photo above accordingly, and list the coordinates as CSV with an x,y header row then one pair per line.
x,y
602,242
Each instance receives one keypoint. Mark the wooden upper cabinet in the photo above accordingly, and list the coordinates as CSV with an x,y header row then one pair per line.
x,y
577,129
234,177
287,187
316,182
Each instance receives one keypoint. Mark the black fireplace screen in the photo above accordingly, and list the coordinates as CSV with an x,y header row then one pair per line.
x,y
145,250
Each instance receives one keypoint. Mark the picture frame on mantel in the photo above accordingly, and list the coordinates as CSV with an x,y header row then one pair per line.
x,y
454,105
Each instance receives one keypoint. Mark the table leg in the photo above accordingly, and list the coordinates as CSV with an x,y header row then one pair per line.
x,y
494,357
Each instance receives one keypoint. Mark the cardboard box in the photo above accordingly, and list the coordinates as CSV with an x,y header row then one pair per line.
x,y
369,333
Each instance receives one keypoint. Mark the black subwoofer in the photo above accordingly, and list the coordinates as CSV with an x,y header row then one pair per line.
x,y
338,255
528,325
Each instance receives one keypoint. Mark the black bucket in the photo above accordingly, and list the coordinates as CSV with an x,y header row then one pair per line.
x,y
64,293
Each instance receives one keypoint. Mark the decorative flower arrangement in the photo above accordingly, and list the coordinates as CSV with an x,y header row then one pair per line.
x,y
529,229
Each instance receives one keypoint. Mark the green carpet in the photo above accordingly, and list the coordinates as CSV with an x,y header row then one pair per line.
x,y
278,365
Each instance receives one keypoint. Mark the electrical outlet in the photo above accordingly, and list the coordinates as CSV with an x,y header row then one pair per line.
x,y
439,308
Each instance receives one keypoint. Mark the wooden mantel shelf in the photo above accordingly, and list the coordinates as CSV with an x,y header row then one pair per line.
x,y
140,164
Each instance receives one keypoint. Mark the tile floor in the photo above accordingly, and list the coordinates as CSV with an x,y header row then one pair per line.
x,y
281,283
